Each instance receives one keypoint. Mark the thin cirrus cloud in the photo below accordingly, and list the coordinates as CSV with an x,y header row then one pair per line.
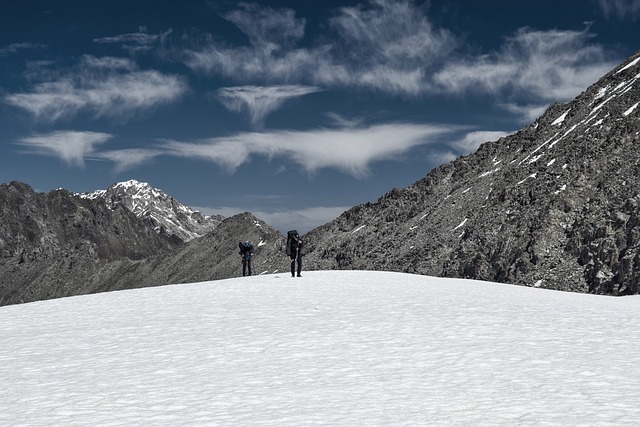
x,y
260,101
394,48
16,47
546,66
620,9
103,87
135,42
473,140
128,158
388,46
72,147
350,150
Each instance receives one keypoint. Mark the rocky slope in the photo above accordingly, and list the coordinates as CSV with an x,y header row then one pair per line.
x,y
157,210
214,256
59,244
50,243
555,205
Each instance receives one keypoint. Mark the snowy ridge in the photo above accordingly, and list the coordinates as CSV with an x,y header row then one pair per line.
x,y
159,210
338,348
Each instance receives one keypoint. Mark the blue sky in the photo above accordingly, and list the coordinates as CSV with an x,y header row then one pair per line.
x,y
293,110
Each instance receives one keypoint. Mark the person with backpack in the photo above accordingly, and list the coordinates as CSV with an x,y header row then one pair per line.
x,y
294,251
246,251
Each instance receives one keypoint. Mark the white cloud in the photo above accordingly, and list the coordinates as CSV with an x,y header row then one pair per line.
x,y
620,9
70,146
104,87
128,158
260,101
350,150
134,42
527,112
473,140
388,46
441,157
15,47
271,55
342,121
90,64
545,65
268,29
393,47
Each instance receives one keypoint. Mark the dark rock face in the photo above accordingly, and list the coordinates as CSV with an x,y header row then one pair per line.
x,y
51,243
60,244
214,256
554,205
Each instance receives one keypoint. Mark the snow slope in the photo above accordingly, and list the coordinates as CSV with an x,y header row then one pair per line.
x,y
337,348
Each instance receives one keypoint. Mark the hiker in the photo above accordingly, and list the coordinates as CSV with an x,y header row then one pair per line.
x,y
294,251
246,251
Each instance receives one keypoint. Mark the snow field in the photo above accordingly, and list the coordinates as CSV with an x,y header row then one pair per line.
x,y
337,348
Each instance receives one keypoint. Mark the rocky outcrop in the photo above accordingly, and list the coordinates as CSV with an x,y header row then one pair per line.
x,y
554,205
214,256
59,244
51,243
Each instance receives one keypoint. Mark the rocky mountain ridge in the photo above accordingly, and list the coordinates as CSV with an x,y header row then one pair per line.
x,y
60,244
158,210
51,242
555,205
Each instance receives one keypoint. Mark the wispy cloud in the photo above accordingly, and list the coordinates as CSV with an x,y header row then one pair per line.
x,y
472,140
546,66
260,101
439,157
104,87
268,29
134,42
72,147
393,47
388,46
16,47
350,150
620,9
129,158
528,113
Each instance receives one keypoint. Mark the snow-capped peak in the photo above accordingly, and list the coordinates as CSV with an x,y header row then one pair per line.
x,y
157,209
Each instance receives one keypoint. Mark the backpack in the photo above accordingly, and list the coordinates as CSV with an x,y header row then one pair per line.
x,y
246,249
293,239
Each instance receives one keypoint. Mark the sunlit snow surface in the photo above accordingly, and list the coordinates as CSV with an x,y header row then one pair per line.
x,y
331,348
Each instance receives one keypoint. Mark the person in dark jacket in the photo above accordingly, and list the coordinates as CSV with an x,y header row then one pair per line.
x,y
294,251
246,251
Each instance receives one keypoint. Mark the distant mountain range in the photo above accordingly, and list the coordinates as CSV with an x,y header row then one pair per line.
x,y
555,205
